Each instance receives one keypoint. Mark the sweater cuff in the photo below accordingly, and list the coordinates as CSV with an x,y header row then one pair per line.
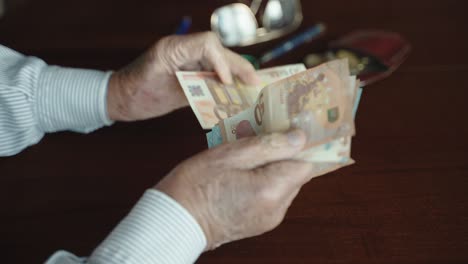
x,y
157,230
72,99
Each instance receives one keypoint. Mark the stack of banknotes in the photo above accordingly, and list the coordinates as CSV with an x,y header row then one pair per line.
x,y
321,101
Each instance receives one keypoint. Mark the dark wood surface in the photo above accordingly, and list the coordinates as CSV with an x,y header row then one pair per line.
x,y
404,201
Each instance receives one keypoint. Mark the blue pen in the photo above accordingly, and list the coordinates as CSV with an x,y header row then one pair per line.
x,y
184,26
301,38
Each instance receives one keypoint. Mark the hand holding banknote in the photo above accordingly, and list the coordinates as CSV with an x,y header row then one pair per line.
x,y
148,87
241,189
321,101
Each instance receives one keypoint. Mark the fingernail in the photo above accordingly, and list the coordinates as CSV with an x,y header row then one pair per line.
x,y
295,138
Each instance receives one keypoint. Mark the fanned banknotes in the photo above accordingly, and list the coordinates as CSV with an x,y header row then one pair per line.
x,y
212,101
321,101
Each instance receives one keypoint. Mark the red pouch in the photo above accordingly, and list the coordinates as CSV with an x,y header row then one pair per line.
x,y
380,52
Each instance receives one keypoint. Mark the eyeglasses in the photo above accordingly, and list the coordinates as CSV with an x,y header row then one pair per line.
x,y
236,24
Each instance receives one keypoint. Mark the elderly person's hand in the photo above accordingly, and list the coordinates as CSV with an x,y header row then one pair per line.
x,y
148,87
241,189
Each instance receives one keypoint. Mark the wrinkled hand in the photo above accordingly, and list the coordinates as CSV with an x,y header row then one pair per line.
x,y
148,87
241,189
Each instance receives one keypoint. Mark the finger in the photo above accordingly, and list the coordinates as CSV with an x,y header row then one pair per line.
x,y
287,175
242,68
214,54
189,52
248,153
220,66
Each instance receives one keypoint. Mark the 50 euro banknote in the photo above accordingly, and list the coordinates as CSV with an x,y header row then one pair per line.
x,y
213,101
321,101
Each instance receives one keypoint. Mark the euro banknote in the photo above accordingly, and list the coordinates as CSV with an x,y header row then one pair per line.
x,y
321,101
213,101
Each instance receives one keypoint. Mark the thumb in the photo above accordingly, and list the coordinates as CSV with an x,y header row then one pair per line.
x,y
242,68
249,153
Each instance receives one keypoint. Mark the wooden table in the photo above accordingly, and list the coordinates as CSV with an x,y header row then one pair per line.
x,y
404,201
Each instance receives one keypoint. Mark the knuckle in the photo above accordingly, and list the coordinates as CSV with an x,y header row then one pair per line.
x,y
210,37
165,42
164,46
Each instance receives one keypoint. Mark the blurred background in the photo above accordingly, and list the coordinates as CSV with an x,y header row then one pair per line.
x,y
107,34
